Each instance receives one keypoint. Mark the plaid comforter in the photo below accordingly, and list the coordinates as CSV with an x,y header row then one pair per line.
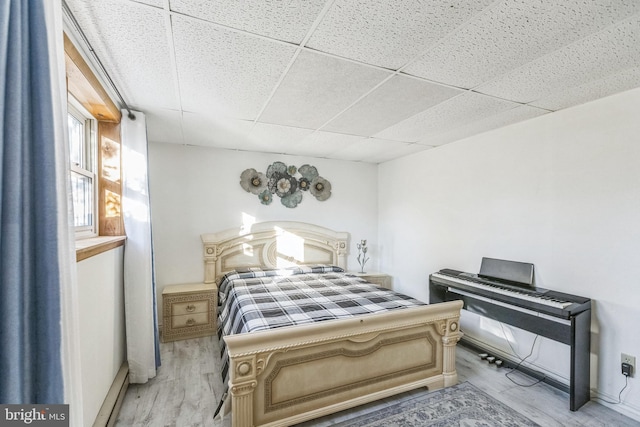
x,y
255,299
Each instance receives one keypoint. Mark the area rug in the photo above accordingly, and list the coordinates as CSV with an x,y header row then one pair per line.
x,y
461,405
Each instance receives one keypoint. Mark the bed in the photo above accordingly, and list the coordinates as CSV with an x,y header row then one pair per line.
x,y
286,374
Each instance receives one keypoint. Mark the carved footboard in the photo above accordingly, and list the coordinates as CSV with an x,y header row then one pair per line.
x,y
289,375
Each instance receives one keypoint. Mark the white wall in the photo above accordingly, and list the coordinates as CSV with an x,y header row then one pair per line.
x,y
561,191
196,190
102,330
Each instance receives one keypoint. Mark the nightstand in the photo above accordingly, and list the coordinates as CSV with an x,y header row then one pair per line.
x,y
379,279
189,311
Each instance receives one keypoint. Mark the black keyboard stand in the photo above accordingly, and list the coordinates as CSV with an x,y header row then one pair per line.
x,y
577,334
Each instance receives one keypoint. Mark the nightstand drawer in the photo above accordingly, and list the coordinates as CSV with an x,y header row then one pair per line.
x,y
189,320
188,311
179,308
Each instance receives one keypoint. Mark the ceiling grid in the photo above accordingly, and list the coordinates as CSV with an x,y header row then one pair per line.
x,y
359,80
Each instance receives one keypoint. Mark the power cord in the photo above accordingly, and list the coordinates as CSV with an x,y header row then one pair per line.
x,y
626,383
522,360
626,377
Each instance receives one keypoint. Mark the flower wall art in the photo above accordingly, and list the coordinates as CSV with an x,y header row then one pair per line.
x,y
286,182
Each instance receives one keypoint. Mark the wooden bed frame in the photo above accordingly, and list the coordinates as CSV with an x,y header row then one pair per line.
x,y
292,374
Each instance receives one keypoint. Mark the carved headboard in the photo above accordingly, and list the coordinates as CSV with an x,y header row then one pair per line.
x,y
272,244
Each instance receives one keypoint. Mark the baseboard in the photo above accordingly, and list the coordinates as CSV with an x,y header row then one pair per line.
x,y
623,407
559,383
111,406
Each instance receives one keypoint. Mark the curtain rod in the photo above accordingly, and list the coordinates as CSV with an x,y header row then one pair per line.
x,y
95,56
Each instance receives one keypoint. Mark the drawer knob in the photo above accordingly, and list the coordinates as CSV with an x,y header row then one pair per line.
x,y
191,308
191,322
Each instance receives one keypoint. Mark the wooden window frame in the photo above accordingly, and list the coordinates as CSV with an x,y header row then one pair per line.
x,y
85,87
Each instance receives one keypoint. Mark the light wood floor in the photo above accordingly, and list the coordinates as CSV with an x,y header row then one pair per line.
x,y
186,390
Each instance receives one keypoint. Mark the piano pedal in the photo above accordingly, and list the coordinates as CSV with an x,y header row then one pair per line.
x,y
498,363
491,359
483,356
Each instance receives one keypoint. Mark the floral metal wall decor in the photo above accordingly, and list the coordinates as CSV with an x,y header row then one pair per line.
x,y
286,182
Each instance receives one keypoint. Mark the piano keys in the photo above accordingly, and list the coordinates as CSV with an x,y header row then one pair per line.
x,y
505,291
543,300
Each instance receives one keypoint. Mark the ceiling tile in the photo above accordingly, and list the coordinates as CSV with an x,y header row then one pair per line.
x,y
397,150
270,138
225,72
449,114
164,125
155,3
368,149
626,79
500,119
397,99
514,33
282,20
131,41
592,58
308,98
211,131
389,33
325,144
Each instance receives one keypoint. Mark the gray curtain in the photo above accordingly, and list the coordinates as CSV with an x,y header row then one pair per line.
x,y
30,337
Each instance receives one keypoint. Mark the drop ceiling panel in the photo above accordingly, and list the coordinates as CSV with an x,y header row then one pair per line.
x,y
211,131
369,148
396,151
317,88
592,58
325,144
276,139
389,33
626,79
282,20
395,100
512,34
155,3
450,114
225,72
495,121
164,125
136,55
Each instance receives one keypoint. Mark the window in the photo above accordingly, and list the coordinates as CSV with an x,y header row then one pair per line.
x,y
82,150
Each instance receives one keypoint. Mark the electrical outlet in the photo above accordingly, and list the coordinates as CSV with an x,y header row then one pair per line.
x,y
631,360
